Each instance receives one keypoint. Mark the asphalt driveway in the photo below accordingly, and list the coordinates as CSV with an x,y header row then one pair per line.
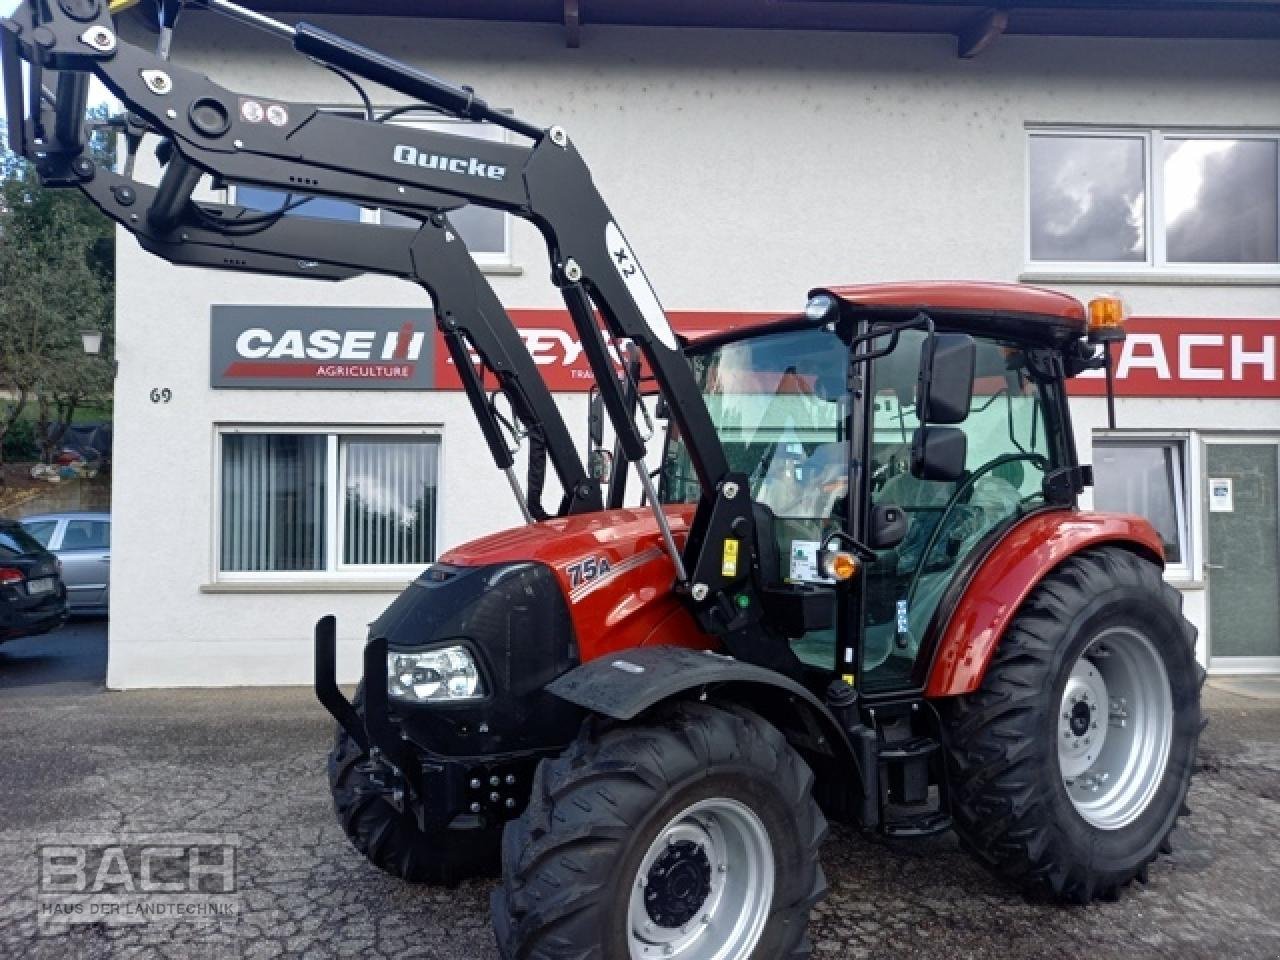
x,y
249,763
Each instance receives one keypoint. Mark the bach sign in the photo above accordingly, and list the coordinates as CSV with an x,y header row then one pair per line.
x,y
1189,357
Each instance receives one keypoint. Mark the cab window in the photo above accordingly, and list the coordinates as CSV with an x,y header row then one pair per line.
x,y
779,406
1007,457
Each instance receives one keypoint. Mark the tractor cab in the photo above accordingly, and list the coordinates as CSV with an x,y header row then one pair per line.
x,y
908,426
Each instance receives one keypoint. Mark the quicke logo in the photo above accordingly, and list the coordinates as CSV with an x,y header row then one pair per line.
x,y
467,166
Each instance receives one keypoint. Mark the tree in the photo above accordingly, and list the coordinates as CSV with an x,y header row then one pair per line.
x,y
57,274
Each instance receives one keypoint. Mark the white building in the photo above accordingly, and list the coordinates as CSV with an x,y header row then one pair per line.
x,y
747,166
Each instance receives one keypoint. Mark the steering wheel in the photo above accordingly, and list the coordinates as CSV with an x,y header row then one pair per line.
x,y
962,493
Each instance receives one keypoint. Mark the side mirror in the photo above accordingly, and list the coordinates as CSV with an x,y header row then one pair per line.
x,y
886,527
944,388
938,453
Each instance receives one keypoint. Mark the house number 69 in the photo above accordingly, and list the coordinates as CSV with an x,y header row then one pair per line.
x,y
161,394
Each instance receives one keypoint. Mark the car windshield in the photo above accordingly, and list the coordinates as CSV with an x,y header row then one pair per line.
x,y
16,542
777,402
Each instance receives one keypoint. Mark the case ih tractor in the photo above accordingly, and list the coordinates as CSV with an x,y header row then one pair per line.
x,y
860,590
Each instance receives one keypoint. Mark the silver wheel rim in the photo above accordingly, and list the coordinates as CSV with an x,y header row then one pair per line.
x,y
1115,727
704,887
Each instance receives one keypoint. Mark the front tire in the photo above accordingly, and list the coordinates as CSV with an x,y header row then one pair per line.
x,y
694,836
391,839
1070,765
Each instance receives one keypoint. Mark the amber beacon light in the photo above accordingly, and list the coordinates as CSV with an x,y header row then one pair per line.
x,y
1107,317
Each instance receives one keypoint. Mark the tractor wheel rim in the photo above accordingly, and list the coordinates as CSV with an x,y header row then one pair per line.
x,y
704,887
1115,728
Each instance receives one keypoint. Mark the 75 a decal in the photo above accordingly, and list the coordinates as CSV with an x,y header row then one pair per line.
x,y
585,571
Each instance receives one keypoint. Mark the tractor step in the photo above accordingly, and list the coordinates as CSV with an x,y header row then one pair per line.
x,y
915,749
926,824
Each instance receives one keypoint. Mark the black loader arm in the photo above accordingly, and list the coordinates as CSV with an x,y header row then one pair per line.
x,y
299,148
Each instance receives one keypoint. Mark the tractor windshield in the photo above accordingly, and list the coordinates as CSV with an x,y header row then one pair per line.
x,y
778,404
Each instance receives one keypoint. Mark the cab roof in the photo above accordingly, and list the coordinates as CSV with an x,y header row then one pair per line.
x,y
1011,309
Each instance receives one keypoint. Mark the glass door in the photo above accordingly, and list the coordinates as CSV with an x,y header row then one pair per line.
x,y
1242,559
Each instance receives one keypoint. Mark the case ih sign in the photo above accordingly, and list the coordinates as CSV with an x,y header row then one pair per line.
x,y
384,348
322,348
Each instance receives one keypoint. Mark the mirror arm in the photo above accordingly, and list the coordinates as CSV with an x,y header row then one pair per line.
x,y
891,329
850,541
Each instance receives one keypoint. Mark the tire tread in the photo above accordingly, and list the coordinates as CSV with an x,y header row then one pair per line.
x,y
1001,810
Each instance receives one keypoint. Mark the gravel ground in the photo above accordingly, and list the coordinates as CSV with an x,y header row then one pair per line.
x,y
250,763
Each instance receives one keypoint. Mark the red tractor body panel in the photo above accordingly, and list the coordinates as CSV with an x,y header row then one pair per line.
x,y
1019,562
614,572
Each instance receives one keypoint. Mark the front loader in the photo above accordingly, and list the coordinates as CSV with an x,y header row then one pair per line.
x,y
861,587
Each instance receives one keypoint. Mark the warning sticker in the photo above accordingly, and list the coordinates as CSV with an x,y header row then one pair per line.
x,y
729,562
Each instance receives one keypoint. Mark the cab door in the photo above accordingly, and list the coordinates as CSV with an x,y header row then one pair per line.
x,y
1008,452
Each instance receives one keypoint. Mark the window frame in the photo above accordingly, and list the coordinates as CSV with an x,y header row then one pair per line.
x,y
334,569
1156,264
1185,512
499,260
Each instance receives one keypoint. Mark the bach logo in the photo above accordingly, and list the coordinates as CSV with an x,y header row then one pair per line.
x,y
467,166
130,879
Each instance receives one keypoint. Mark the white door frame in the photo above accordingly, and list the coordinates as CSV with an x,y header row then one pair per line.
x,y
1228,665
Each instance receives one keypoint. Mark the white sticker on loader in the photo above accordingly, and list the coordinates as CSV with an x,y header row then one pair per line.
x,y
628,267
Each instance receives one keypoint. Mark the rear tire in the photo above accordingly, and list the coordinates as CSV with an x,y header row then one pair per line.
x,y
392,840
618,855
1070,765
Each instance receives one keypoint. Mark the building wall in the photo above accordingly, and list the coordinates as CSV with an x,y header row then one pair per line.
x,y
746,167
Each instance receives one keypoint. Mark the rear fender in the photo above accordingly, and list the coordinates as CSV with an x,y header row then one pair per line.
x,y
1017,563
625,684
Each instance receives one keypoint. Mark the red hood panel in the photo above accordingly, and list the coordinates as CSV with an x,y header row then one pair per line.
x,y
614,572
567,539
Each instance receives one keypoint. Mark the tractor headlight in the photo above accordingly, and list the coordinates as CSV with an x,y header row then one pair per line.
x,y
443,675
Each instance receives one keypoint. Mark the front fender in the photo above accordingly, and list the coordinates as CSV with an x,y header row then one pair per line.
x,y
1018,562
625,684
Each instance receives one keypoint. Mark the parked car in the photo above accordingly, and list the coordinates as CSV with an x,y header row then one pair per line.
x,y
82,541
33,598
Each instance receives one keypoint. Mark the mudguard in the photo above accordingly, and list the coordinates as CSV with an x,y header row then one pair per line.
x,y
624,684
1010,572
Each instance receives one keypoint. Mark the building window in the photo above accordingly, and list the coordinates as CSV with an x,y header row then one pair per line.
x,y
389,501
1145,477
1154,200
321,503
485,231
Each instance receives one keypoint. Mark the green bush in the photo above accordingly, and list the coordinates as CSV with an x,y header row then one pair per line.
x,y
20,443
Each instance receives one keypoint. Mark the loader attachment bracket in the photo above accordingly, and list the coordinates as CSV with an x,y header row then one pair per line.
x,y
302,149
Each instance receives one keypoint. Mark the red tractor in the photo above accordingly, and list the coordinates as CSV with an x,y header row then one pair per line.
x,y
860,589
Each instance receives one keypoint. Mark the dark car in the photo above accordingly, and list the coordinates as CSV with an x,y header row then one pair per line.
x,y
33,598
